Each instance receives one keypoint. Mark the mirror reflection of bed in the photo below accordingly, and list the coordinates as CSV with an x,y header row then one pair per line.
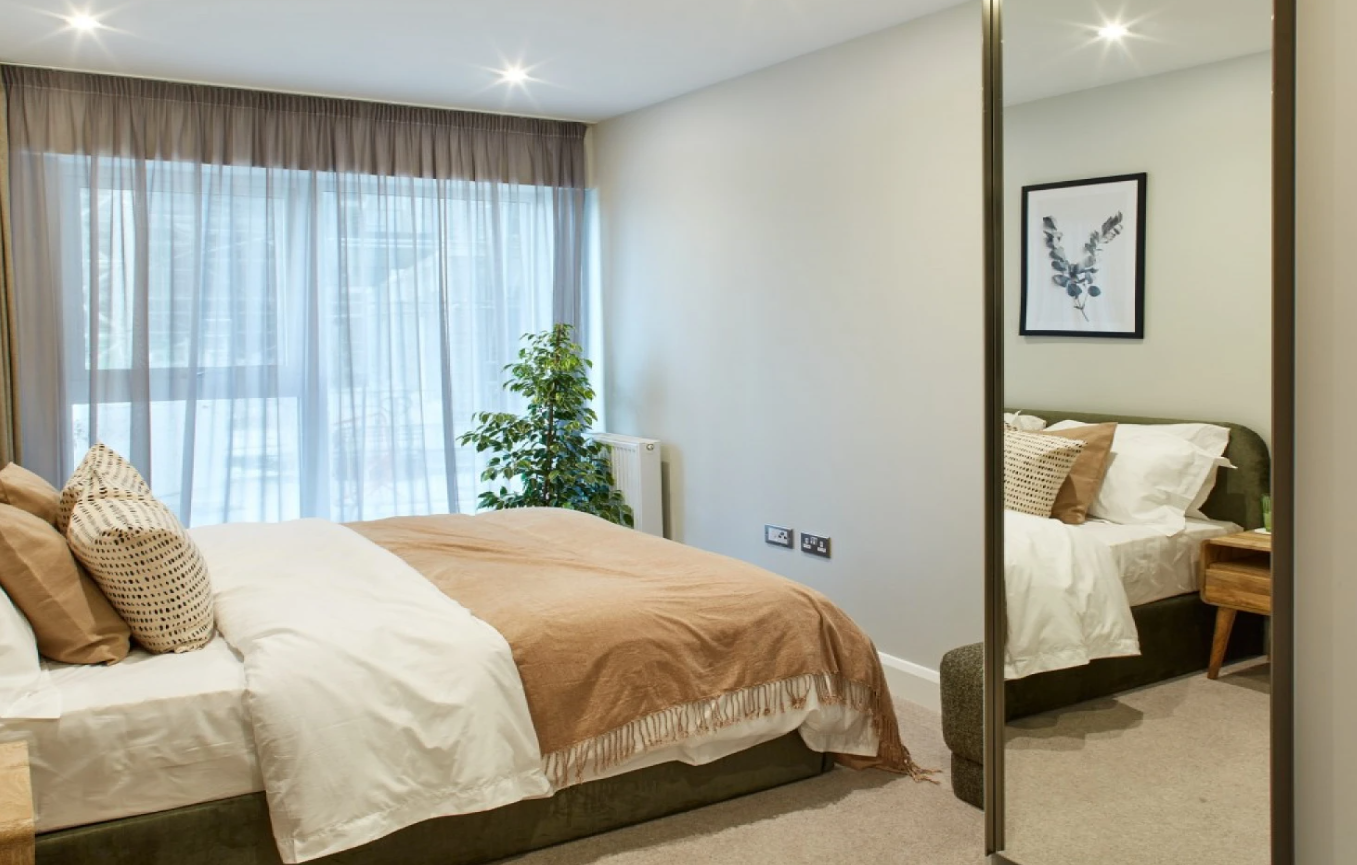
x,y
1137,353
1140,736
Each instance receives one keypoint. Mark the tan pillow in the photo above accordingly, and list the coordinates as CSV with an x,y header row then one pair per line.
x,y
102,467
25,490
1086,477
71,618
1035,466
147,565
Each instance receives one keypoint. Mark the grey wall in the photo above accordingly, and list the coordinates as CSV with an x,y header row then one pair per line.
x,y
1204,137
792,294
1326,446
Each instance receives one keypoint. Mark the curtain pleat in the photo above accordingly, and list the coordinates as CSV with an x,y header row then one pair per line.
x,y
279,306
9,407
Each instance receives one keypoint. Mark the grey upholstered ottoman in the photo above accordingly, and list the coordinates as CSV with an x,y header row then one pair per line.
x,y
963,720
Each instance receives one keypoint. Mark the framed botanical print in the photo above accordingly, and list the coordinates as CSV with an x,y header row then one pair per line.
x,y
1083,258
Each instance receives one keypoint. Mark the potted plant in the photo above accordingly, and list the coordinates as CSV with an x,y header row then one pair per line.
x,y
545,458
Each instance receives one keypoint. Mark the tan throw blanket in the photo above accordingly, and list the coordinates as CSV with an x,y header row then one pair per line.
x,y
627,642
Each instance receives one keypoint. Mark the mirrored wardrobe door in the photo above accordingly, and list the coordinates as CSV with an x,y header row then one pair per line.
x,y
1132,637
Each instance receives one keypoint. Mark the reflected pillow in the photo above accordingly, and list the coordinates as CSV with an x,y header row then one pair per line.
x,y
1024,422
1080,489
1035,467
1154,474
1211,438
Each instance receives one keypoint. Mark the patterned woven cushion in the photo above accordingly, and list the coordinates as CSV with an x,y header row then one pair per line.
x,y
149,568
1035,466
104,466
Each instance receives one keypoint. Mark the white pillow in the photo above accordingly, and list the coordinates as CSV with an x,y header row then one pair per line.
x,y
1210,438
1024,422
1156,475
26,691
1195,511
1207,436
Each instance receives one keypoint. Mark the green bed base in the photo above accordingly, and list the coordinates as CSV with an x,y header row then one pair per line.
x,y
1175,633
236,831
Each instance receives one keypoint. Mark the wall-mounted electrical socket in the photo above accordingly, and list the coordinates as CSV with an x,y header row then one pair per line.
x,y
815,545
778,536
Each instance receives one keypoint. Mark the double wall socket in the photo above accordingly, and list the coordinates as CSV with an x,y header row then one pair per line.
x,y
815,545
781,536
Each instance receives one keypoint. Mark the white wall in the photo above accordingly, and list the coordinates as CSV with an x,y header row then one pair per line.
x,y
1326,448
709,278
1204,137
793,299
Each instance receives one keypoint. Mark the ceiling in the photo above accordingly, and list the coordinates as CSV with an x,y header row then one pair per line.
x,y
1052,47
587,59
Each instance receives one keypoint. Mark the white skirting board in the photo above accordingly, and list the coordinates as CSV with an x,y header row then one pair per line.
x,y
911,682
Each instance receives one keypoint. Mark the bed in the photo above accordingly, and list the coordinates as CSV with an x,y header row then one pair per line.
x,y
187,758
1160,577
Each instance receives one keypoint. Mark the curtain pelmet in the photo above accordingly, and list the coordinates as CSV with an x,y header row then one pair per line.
x,y
159,120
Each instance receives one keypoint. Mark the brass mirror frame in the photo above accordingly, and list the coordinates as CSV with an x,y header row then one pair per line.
x,y
1283,428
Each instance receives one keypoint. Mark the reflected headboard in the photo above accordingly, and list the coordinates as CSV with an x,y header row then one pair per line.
x,y
1239,491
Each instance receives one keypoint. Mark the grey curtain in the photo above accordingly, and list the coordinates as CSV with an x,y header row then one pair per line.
x,y
9,409
277,305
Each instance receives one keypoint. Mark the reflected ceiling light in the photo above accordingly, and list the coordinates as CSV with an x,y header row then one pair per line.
x,y
83,21
513,75
1113,32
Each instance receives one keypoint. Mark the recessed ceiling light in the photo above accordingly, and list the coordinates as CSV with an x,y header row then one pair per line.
x,y
513,75
83,21
1113,32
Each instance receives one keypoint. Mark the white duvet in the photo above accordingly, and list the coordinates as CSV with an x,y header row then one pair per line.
x,y
1066,601
376,701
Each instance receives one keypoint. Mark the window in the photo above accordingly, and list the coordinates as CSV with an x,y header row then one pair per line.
x,y
274,343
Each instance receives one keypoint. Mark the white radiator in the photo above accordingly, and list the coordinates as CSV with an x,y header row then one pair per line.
x,y
636,472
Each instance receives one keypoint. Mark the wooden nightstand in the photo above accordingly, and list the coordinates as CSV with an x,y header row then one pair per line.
x,y
1236,575
16,806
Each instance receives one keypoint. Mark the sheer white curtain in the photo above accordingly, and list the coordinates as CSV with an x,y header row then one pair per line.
x,y
275,337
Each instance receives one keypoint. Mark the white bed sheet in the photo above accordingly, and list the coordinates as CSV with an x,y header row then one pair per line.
x,y
1152,566
150,733
157,732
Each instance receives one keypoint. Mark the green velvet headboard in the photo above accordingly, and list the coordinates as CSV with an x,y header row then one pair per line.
x,y
1239,491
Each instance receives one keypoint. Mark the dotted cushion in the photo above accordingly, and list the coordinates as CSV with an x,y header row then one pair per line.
x,y
147,565
1035,467
113,472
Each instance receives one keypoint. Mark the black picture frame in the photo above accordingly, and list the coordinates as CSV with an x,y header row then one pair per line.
x,y
1045,315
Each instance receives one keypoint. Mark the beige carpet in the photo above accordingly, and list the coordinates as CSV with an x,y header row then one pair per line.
x,y
864,818
1173,773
